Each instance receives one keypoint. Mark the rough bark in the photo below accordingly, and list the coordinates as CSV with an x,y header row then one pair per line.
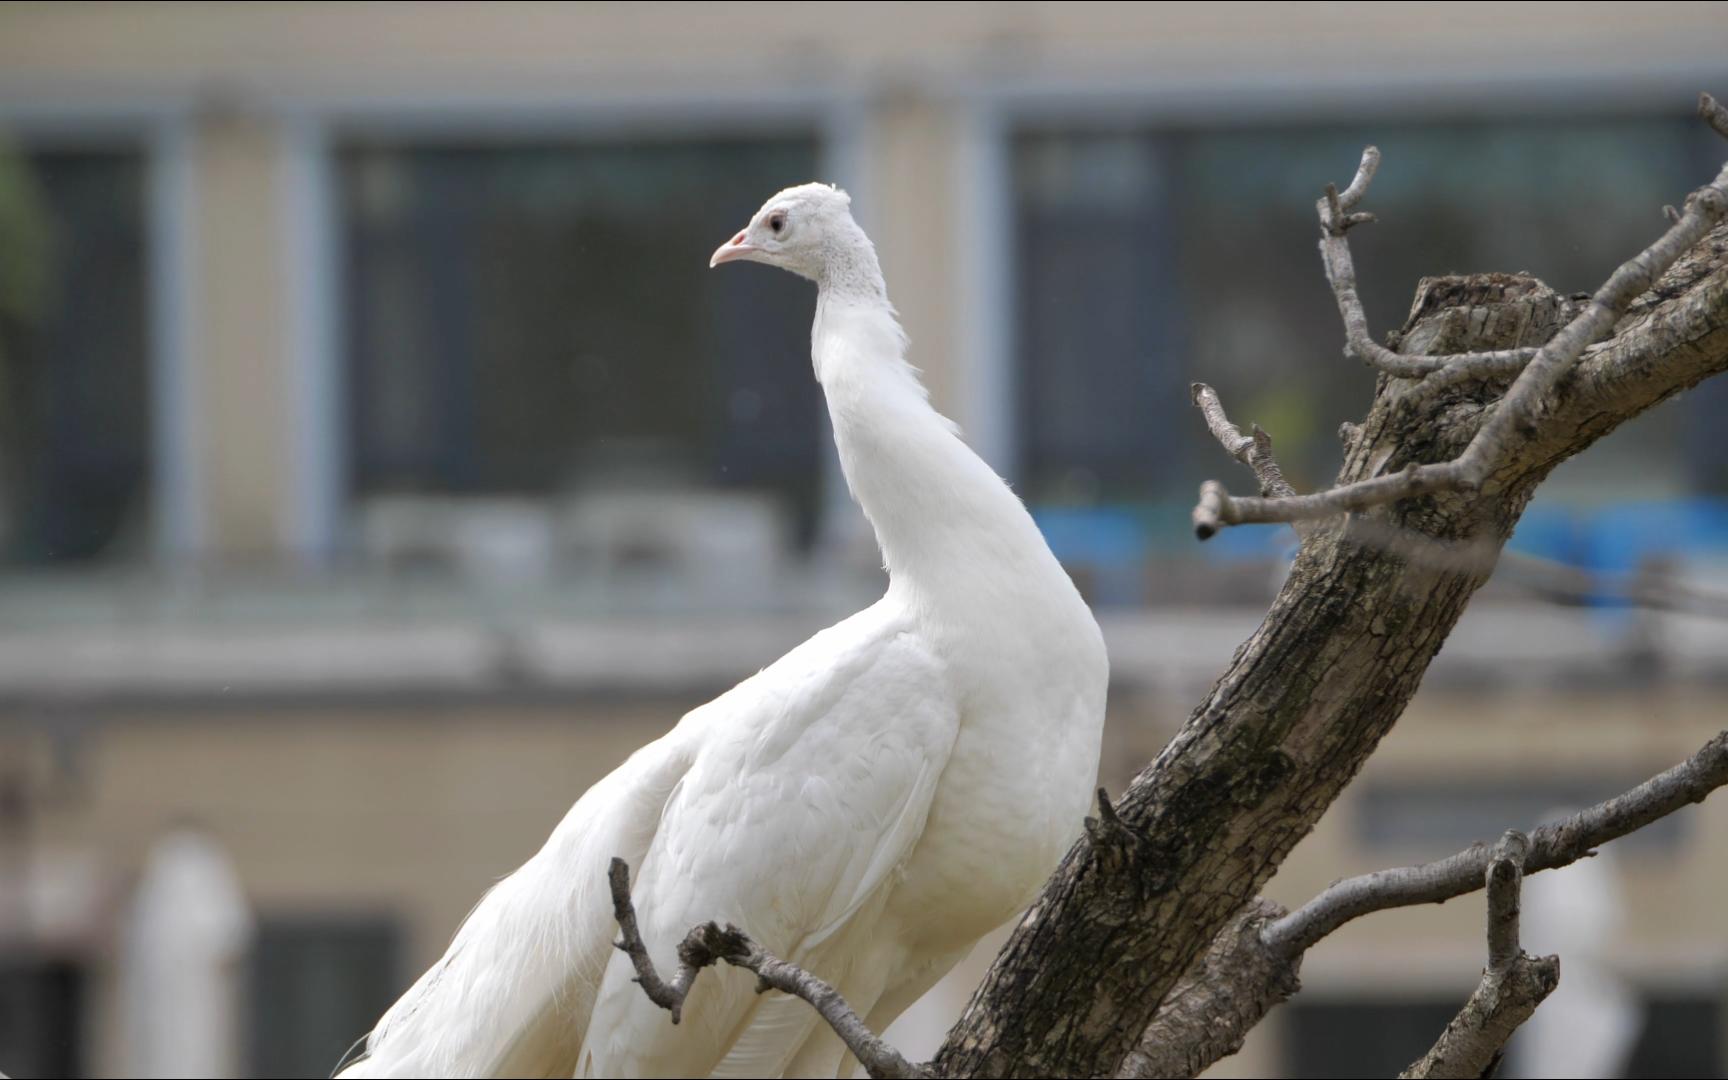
x,y
1474,1041
1324,678
1244,976
1512,984
1236,981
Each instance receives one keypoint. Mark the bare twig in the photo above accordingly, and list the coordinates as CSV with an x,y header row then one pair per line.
x,y
878,1058
1504,882
710,943
669,996
1512,985
1517,416
1713,113
1254,451
1518,409
1340,202
1336,220
1219,508
1551,846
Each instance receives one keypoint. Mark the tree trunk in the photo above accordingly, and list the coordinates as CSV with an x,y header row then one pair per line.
x,y
1306,699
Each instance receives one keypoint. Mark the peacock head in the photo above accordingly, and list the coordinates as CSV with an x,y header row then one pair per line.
x,y
806,229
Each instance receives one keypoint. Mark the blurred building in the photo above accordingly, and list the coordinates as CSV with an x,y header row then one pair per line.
x,y
380,463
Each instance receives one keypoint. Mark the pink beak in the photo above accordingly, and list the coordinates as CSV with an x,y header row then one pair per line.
x,y
733,250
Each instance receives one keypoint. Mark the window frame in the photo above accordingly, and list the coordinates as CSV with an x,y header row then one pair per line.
x,y
992,112
162,132
318,513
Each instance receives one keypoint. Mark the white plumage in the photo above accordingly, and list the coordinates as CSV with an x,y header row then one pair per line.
x,y
867,807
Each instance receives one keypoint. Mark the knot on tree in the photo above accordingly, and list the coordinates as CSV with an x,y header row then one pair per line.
x,y
1462,313
1116,844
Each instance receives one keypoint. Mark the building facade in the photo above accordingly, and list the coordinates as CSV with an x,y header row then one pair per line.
x,y
381,464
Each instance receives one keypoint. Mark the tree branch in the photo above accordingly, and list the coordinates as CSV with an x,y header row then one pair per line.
x,y
1551,846
1512,985
1336,220
1504,882
1305,701
1217,507
1230,989
1254,451
1242,976
1518,411
710,942
669,996
1517,419
1472,1044
1713,113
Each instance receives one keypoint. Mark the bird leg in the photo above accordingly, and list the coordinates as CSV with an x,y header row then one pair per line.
x,y
710,943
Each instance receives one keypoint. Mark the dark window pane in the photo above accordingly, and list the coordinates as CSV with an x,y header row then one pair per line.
x,y
1681,1038
42,1025
1350,1039
540,319
1095,417
318,985
74,397
1150,258
1680,1035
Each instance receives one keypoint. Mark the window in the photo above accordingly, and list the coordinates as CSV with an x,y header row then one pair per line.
x,y
1362,1038
1680,1035
42,1015
1150,258
538,323
1100,318
318,984
74,371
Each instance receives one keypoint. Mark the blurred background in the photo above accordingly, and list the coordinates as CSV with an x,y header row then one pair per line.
x,y
380,463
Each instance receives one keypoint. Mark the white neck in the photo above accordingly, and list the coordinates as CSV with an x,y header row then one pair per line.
x,y
956,541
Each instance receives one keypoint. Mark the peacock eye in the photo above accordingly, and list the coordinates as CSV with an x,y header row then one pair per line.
x,y
777,223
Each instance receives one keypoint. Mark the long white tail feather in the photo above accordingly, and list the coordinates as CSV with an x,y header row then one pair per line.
x,y
512,994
